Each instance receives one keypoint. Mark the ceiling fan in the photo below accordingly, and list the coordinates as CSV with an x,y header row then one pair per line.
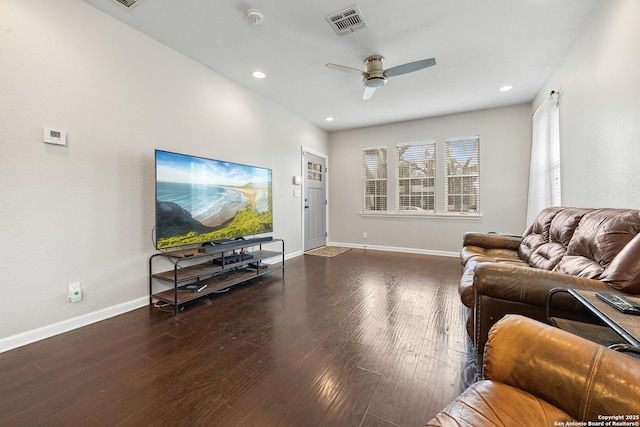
x,y
376,76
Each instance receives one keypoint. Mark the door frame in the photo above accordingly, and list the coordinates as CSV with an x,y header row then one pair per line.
x,y
303,170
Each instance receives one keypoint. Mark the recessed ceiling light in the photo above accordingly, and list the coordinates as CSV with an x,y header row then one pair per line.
x,y
329,119
506,88
258,74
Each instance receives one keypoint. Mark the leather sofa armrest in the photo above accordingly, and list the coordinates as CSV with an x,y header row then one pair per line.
x,y
491,241
582,378
525,284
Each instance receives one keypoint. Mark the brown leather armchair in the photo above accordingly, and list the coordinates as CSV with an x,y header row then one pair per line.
x,y
537,375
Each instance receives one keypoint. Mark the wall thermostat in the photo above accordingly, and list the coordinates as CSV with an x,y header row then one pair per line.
x,y
54,136
297,180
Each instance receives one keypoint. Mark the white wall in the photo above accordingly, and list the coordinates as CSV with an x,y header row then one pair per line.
x,y
599,87
85,212
505,144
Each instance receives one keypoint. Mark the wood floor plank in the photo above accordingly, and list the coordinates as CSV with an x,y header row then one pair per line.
x,y
350,405
373,421
49,399
367,338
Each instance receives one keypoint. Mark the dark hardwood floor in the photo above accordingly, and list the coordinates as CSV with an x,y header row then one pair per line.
x,y
367,338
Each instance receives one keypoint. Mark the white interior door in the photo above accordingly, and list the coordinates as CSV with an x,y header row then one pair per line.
x,y
315,201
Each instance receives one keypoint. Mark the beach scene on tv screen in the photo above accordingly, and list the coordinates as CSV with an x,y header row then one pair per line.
x,y
200,200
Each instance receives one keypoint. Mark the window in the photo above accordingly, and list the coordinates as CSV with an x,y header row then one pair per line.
x,y
314,171
544,171
462,175
420,185
374,172
416,177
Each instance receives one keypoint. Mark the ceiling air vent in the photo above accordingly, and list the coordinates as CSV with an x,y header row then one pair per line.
x,y
347,21
128,4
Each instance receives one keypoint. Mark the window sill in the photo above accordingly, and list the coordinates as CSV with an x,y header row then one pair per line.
x,y
454,216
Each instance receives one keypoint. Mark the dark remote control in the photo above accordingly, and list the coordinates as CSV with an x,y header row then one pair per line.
x,y
619,303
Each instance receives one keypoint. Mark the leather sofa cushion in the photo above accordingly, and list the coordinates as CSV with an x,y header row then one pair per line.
x,y
599,237
624,271
529,244
579,266
537,233
547,256
478,254
489,403
561,229
490,246
564,225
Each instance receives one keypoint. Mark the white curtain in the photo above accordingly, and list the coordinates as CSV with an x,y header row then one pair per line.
x,y
544,172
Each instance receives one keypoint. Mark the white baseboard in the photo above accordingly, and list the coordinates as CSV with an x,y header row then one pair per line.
x,y
48,331
293,255
396,249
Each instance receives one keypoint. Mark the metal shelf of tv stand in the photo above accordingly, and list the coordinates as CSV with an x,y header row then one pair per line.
x,y
215,276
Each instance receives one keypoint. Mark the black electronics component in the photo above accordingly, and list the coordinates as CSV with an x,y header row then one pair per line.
x,y
258,265
234,244
193,287
232,259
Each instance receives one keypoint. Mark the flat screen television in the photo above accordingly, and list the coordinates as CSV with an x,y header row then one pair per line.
x,y
201,200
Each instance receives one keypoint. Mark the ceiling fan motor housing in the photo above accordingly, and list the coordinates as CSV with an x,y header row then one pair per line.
x,y
375,76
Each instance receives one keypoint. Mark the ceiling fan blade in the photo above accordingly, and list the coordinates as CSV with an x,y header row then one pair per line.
x,y
410,67
368,92
346,69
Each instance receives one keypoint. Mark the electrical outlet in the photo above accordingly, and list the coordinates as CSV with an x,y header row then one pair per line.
x,y
74,292
364,235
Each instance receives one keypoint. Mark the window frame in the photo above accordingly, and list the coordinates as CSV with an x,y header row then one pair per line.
x,y
387,192
375,181
418,169
468,179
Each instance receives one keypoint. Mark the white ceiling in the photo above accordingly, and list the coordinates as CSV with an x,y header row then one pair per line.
x,y
479,46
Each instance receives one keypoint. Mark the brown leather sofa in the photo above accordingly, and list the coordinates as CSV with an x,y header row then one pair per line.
x,y
597,249
537,375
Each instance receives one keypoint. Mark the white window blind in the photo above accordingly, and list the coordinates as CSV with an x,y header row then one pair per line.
x,y
462,175
374,173
415,177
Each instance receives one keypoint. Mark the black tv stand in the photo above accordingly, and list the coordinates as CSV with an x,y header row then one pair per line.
x,y
218,267
221,241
